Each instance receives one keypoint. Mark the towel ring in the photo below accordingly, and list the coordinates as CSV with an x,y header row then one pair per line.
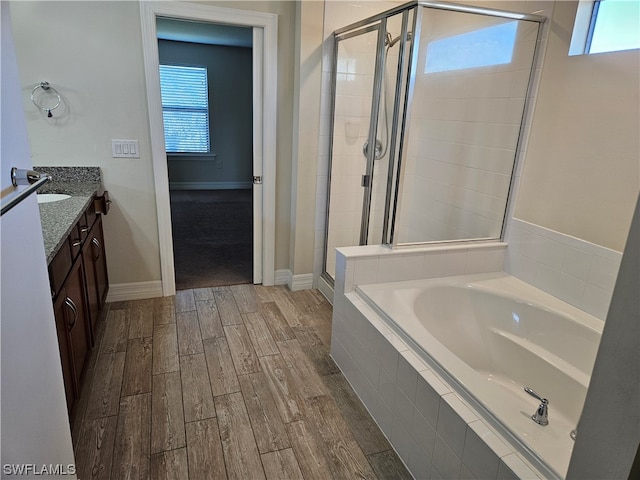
x,y
47,88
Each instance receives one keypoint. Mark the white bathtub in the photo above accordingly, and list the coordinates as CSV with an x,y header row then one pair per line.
x,y
490,335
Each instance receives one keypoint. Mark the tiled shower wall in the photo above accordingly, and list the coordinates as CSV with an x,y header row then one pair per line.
x,y
463,134
452,159
352,132
578,272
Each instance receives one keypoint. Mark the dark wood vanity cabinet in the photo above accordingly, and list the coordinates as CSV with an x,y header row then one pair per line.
x,y
64,342
95,267
79,285
74,337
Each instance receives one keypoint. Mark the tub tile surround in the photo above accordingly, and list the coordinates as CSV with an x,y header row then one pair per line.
x,y
578,272
435,432
408,399
430,426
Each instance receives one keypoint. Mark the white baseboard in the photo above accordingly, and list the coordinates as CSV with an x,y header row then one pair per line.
x,y
295,282
282,277
209,185
119,292
301,282
325,289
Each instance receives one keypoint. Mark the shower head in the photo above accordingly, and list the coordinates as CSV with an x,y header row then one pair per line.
x,y
390,41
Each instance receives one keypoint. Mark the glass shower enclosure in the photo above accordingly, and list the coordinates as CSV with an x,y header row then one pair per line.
x,y
428,101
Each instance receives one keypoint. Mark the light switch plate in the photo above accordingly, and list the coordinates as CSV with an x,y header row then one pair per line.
x,y
125,149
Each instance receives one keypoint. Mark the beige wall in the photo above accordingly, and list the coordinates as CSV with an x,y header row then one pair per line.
x,y
308,77
92,53
582,170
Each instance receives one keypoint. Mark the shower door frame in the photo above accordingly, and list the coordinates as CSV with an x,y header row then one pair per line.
x,y
380,27
395,165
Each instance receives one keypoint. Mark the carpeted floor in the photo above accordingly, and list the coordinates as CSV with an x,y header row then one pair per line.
x,y
212,237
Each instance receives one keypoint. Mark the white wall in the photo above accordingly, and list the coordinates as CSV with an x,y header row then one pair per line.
x,y
578,173
230,112
35,426
581,176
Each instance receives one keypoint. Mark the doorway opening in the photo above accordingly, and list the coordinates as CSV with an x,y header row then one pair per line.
x,y
264,28
206,89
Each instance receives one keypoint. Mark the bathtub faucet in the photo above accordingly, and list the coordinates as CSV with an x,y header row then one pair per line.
x,y
541,415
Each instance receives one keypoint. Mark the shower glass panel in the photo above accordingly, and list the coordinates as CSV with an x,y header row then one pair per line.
x,y
353,94
428,102
470,85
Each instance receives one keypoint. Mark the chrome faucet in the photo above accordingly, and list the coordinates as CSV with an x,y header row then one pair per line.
x,y
541,415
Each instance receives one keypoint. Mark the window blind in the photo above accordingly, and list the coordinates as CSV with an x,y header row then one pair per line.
x,y
185,108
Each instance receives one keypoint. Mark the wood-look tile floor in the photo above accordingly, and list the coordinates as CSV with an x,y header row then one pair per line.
x,y
224,383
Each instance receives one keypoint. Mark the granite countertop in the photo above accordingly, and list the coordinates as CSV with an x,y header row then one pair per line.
x,y
58,218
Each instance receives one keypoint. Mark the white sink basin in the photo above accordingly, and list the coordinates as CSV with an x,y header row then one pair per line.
x,y
52,197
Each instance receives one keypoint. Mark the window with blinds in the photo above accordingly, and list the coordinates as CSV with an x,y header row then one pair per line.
x,y
185,108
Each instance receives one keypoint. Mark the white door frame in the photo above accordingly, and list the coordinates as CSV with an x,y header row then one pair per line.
x,y
265,121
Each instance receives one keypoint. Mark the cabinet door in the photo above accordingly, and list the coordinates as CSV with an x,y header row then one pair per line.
x,y
59,267
100,260
68,375
93,299
78,321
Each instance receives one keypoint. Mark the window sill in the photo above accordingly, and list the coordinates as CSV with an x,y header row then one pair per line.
x,y
192,156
